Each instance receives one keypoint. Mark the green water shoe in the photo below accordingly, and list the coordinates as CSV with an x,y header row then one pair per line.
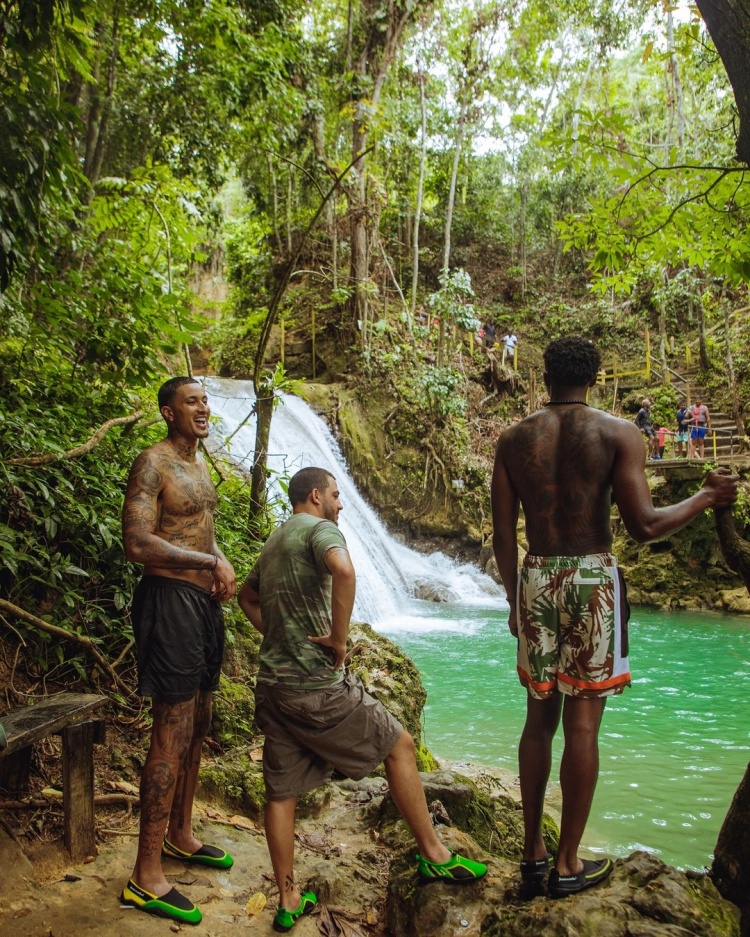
x,y
206,855
285,920
173,905
457,869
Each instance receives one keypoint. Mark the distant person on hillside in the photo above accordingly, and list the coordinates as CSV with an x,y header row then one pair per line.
x,y
565,465
661,436
315,716
510,343
700,422
682,429
490,331
643,422
168,526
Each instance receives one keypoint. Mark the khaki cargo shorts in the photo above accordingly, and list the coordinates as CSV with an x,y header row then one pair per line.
x,y
309,733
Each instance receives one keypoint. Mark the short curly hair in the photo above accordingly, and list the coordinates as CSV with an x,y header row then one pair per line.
x,y
572,361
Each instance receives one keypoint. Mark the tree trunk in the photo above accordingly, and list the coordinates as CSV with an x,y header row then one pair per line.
x,y
264,403
358,226
384,28
100,98
420,194
728,22
732,379
673,68
702,343
579,102
258,520
731,866
523,258
334,245
289,207
452,191
274,205
449,221
663,340
349,33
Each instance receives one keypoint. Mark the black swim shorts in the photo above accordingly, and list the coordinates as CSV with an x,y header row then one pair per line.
x,y
179,632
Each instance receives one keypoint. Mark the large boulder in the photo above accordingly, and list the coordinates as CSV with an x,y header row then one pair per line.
x,y
643,898
731,865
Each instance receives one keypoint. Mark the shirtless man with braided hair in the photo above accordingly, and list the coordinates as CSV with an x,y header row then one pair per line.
x,y
565,465
178,624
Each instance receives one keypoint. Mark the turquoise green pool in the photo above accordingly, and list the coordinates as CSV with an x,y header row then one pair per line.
x,y
673,747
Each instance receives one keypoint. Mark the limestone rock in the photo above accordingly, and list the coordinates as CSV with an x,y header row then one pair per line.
x,y
495,823
432,591
731,866
735,600
643,898
389,676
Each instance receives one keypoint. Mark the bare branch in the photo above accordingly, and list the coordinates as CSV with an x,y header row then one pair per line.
x,y
79,639
291,162
48,459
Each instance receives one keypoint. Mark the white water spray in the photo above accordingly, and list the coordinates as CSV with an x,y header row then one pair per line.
x,y
387,571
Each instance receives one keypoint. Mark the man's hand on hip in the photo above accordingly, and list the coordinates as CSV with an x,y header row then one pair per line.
x,y
338,648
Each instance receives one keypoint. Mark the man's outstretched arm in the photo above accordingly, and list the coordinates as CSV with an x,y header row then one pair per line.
x,y
632,495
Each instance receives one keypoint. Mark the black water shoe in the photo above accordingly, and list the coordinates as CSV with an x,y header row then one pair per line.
x,y
534,871
593,872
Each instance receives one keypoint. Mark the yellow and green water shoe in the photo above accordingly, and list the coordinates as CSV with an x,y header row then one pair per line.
x,y
173,905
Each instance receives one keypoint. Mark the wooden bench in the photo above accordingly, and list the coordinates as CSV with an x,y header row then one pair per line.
x,y
67,715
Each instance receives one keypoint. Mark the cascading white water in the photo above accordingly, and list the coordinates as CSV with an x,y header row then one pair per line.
x,y
387,571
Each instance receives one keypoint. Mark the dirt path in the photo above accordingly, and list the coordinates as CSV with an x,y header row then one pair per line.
x,y
337,857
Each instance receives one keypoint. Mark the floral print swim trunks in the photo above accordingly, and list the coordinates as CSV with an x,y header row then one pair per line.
x,y
572,626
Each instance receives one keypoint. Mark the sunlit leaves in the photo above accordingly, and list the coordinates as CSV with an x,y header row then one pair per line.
x,y
451,302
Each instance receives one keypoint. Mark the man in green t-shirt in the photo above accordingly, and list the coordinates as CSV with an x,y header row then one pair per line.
x,y
317,718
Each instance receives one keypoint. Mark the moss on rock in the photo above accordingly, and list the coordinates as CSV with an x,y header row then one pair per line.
x,y
495,823
390,676
234,701
235,781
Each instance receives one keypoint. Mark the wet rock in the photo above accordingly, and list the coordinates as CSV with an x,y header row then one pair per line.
x,y
731,865
643,898
736,600
495,823
432,591
388,675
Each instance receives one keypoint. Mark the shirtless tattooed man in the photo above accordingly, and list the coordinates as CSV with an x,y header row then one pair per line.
x,y
179,630
565,465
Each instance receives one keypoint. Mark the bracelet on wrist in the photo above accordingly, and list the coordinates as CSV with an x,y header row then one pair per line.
x,y
216,562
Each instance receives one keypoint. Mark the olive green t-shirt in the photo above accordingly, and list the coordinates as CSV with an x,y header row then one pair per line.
x,y
294,586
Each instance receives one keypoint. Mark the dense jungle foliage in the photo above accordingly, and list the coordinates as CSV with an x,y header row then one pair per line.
x,y
375,179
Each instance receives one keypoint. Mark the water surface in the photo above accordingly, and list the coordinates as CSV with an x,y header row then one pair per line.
x,y
673,747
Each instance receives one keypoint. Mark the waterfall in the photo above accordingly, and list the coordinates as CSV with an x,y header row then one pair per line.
x,y
387,571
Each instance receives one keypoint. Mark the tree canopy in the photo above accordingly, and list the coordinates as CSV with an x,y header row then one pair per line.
x,y
384,175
